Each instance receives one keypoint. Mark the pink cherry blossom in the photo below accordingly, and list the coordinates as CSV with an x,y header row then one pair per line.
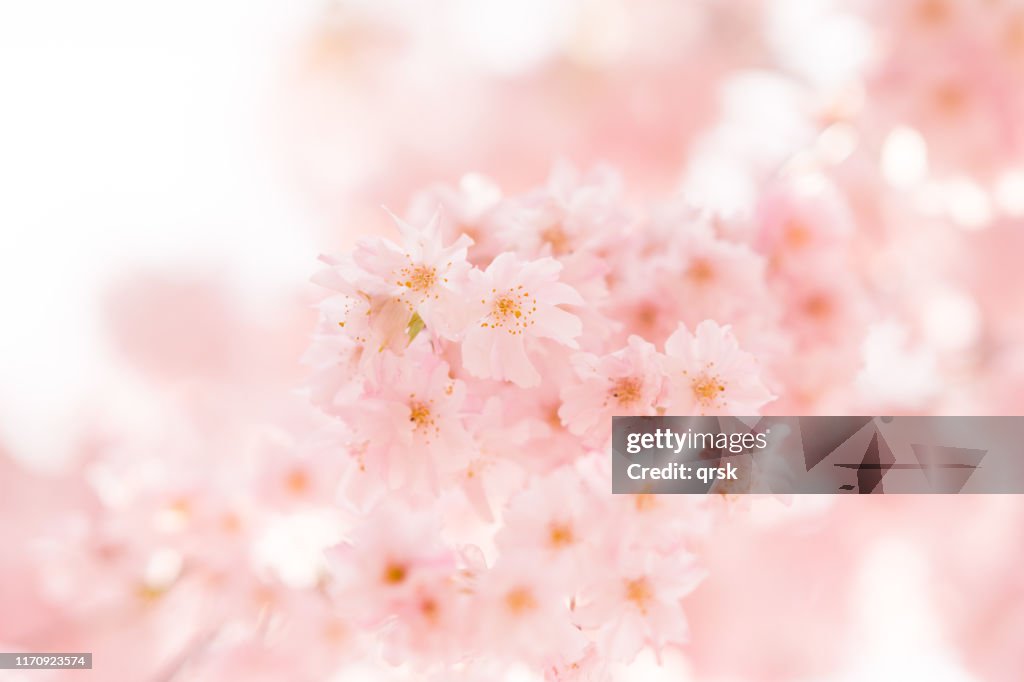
x,y
518,307
374,322
709,277
627,382
546,521
522,614
411,419
423,274
709,374
380,570
574,212
639,602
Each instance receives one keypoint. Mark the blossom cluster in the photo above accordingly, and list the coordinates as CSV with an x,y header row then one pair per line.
x,y
475,363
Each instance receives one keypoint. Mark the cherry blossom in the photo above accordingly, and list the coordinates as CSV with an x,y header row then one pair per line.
x,y
709,374
422,274
518,306
627,382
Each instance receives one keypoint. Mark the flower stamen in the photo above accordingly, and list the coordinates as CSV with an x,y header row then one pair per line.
x,y
519,600
707,389
512,311
419,278
394,573
561,535
627,391
701,271
640,593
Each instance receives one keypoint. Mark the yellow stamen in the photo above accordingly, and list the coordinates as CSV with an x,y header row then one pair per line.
x,y
700,271
796,234
297,481
818,306
627,391
707,389
555,236
394,573
520,600
419,278
561,535
512,311
419,414
639,592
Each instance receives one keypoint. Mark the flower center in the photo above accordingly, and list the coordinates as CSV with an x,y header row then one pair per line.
x,y
818,306
231,523
519,600
796,234
707,389
511,310
506,305
700,271
645,318
420,415
627,391
555,236
429,609
639,592
418,278
394,573
561,535
298,481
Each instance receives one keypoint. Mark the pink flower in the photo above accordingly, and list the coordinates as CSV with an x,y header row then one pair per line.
x,y
710,277
680,269
522,614
389,557
423,274
374,322
297,476
518,306
795,230
825,309
430,623
412,419
627,382
638,602
553,517
709,374
573,212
